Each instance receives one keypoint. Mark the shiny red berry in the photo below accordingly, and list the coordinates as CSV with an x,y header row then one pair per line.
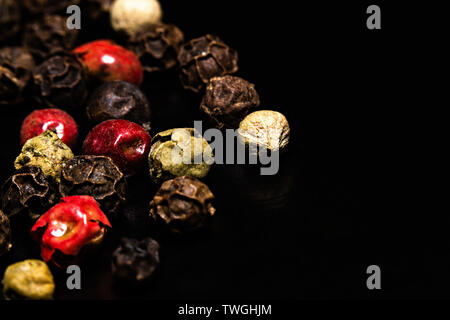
x,y
57,120
69,227
125,142
108,61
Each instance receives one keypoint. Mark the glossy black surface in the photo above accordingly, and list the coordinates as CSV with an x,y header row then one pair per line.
x,y
312,230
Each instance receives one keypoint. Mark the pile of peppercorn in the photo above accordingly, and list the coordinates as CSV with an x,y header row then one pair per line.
x,y
73,200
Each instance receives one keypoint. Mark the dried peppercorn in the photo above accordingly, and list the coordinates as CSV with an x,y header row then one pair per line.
x,y
5,234
119,100
60,82
69,229
16,67
47,6
265,128
28,191
227,101
28,280
96,176
203,58
182,204
135,261
179,152
157,47
9,19
48,35
46,151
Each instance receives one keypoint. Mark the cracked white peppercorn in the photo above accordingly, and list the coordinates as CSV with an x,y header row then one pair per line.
x,y
264,129
130,16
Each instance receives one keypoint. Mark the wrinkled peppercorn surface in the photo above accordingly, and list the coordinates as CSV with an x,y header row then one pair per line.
x,y
47,6
5,234
157,47
48,35
189,147
182,204
28,191
9,19
118,100
46,151
16,67
96,176
228,100
60,82
28,279
203,58
135,260
264,128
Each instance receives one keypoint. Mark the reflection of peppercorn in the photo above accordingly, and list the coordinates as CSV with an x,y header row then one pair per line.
x,y
16,67
60,82
5,234
227,101
9,19
135,261
29,280
48,35
96,176
28,191
203,58
182,204
157,47
119,100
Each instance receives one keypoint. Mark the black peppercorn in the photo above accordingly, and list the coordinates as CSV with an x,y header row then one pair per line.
x,y
203,58
5,234
29,191
118,100
47,6
60,82
135,261
182,204
228,100
48,35
96,176
9,19
157,47
16,67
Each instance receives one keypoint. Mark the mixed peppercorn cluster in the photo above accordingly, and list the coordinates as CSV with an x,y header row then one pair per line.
x,y
73,201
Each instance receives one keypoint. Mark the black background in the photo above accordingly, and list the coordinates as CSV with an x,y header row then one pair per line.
x,y
340,201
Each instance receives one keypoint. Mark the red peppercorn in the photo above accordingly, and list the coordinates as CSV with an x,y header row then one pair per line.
x,y
108,61
125,142
69,227
57,120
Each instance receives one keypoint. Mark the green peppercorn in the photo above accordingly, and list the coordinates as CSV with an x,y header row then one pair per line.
x,y
179,152
29,280
46,151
